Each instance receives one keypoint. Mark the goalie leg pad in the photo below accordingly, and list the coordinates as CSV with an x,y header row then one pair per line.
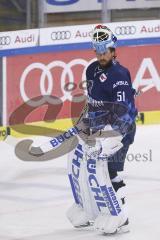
x,y
111,217
94,195
77,216
82,208
74,166
101,188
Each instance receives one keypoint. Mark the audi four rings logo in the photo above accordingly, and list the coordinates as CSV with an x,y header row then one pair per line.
x,y
61,35
125,30
5,40
47,75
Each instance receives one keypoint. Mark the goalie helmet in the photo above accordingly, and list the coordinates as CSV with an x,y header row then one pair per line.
x,y
103,38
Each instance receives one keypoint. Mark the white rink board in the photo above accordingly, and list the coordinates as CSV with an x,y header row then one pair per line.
x,y
77,34
35,196
19,39
83,33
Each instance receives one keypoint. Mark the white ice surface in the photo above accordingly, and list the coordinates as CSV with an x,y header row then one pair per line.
x,y
34,196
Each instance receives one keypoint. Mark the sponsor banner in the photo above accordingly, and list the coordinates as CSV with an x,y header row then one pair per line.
x,y
83,33
76,34
85,5
46,82
19,39
52,86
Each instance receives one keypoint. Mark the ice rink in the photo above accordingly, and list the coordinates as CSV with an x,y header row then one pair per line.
x,y
34,196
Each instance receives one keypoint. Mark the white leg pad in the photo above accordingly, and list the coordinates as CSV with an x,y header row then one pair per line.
x,y
95,198
77,216
110,224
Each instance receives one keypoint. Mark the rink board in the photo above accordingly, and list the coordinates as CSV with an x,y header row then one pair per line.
x,y
65,83
54,128
44,79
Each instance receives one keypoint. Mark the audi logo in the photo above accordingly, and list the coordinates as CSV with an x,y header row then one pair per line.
x,y
47,75
5,40
125,30
61,35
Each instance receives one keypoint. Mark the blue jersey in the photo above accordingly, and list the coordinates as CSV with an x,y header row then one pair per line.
x,y
113,85
110,84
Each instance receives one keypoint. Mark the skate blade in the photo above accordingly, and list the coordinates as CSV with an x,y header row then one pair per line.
x,y
124,229
120,230
87,225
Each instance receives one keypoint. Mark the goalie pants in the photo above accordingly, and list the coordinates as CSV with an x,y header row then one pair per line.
x,y
116,162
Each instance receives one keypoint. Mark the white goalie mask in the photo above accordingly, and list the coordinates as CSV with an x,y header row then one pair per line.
x,y
103,38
